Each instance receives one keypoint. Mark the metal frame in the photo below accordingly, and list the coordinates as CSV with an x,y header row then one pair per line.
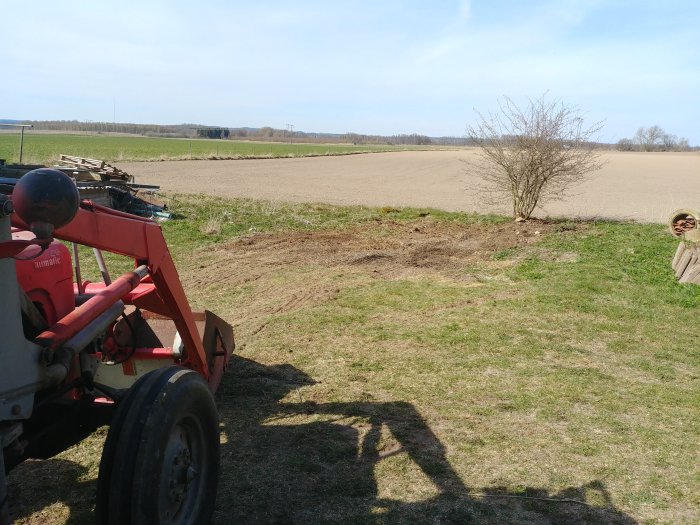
x,y
21,135
142,239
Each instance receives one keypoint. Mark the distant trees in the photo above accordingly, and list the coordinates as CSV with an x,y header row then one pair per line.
x,y
355,138
533,154
648,138
653,138
414,139
625,145
152,130
265,133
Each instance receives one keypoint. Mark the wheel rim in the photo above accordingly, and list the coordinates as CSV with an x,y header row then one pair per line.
x,y
184,468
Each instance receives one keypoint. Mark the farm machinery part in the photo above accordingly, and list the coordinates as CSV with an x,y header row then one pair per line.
x,y
686,262
128,352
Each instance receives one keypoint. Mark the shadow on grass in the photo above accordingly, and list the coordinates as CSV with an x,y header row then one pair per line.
x,y
314,463
298,463
36,485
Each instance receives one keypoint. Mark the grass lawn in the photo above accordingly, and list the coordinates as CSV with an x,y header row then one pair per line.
x,y
417,366
47,148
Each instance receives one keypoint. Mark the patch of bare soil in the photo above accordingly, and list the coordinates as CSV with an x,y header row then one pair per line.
x,y
287,271
393,249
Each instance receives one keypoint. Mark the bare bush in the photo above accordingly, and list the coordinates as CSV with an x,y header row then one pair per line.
x,y
625,145
534,154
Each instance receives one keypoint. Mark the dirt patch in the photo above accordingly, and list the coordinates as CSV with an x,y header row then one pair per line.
x,y
394,249
265,274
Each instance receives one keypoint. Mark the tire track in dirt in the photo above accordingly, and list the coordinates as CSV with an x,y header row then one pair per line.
x,y
278,273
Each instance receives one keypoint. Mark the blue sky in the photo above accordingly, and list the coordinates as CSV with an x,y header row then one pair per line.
x,y
363,66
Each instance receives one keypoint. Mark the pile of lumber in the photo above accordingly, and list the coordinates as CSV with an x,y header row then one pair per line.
x,y
99,168
686,263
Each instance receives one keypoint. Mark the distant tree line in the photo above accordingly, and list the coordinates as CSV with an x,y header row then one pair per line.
x,y
153,130
265,133
653,138
412,140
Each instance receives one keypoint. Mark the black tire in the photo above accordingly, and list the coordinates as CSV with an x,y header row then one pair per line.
x,y
160,463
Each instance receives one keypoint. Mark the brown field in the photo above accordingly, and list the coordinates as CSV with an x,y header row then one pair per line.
x,y
642,186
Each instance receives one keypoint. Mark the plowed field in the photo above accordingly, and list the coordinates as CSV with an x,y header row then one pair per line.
x,y
641,186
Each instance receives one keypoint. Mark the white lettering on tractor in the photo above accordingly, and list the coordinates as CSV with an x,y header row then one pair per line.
x,y
47,263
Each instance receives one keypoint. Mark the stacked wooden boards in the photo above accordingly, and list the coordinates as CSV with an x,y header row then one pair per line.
x,y
686,261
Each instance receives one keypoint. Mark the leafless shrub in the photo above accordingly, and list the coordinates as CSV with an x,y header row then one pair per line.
x,y
625,145
533,154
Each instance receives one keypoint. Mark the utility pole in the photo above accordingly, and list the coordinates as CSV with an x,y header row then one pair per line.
x,y
21,141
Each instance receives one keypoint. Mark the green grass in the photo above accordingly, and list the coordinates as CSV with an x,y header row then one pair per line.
x,y
566,367
46,148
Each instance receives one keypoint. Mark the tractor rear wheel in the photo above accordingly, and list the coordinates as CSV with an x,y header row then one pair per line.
x,y
160,463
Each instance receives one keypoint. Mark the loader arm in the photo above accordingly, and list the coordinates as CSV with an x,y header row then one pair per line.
x,y
142,239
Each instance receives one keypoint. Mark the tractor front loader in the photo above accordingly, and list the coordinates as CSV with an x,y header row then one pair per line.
x,y
128,352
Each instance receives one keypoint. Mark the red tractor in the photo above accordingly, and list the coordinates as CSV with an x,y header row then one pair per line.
x,y
128,352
